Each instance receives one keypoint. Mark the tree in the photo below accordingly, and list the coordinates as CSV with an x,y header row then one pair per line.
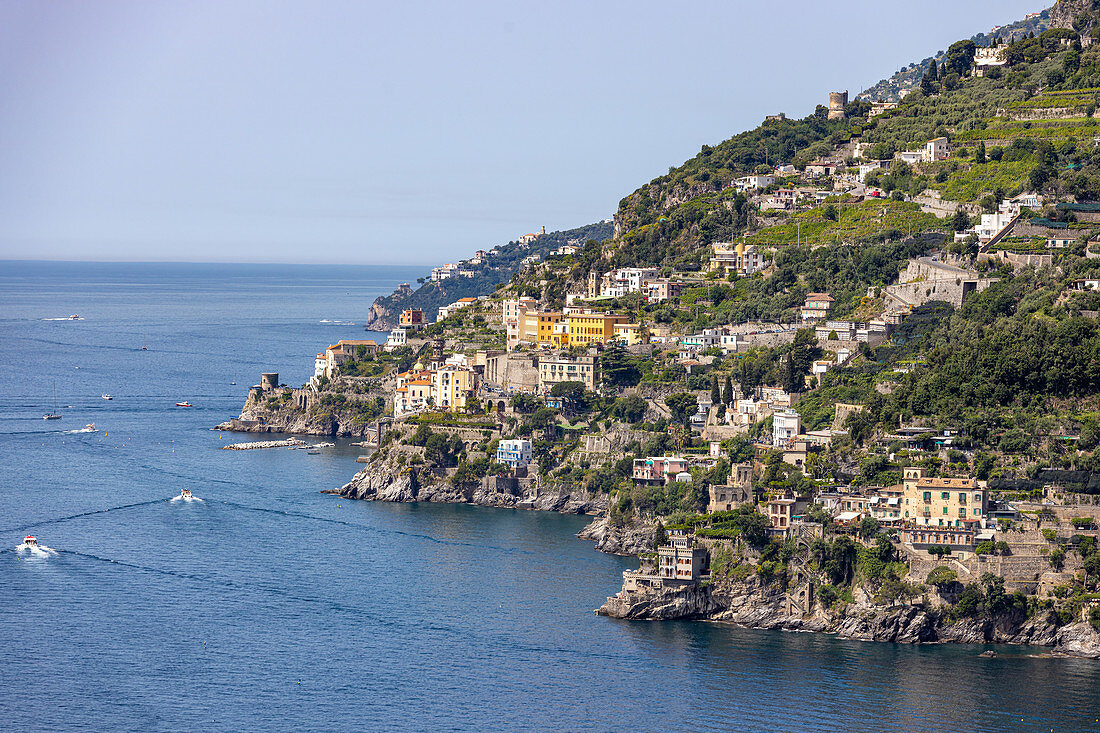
x,y
932,72
979,153
683,405
715,393
727,392
939,551
960,221
619,366
569,390
630,409
960,57
941,576
868,527
927,85
660,537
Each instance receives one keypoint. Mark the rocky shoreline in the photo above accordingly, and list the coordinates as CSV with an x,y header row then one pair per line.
x,y
757,605
381,481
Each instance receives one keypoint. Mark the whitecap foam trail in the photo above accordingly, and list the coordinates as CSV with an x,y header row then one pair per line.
x,y
174,499
36,550
62,319
81,430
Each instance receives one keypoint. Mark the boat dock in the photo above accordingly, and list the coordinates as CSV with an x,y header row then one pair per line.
x,y
288,443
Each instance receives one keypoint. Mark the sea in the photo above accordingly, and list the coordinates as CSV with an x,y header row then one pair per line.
x,y
264,604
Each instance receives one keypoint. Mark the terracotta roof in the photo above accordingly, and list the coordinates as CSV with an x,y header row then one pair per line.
x,y
819,296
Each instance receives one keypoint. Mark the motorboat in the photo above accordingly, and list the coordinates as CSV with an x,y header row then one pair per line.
x,y
107,396
30,541
313,452
90,427
184,404
185,494
75,317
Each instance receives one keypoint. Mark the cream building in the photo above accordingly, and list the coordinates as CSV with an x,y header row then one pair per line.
x,y
943,502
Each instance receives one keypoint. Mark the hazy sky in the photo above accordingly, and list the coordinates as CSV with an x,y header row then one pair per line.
x,y
405,132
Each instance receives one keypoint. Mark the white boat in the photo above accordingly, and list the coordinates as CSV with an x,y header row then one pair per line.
x,y
184,404
30,541
75,317
185,494
90,427
107,396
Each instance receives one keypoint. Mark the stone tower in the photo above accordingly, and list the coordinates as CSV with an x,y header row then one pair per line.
x,y
837,102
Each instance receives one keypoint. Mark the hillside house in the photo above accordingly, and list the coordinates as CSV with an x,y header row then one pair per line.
x,y
657,470
514,453
816,307
726,258
943,502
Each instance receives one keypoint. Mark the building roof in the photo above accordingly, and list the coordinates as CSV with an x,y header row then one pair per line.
x,y
819,296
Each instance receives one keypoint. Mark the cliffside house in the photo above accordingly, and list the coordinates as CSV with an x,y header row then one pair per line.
x,y
662,289
514,453
737,491
531,236
657,470
443,272
816,308
328,364
943,502
680,559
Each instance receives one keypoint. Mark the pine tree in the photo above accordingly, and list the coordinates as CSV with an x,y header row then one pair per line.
x,y
727,396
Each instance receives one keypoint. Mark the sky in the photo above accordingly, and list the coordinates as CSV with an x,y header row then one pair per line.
x,y
403,133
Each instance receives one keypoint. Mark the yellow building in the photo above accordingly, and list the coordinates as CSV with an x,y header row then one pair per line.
x,y
628,334
942,502
451,385
537,327
592,328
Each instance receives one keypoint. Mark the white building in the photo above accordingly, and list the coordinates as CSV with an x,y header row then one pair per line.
x,y
514,453
398,337
443,272
753,183
786,426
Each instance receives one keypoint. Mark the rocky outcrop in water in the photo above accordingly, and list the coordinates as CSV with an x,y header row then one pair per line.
x,y
386,480
755,604
613,539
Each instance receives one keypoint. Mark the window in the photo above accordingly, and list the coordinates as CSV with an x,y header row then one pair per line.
x,y
962,498
945,510
945,495
977,498
927,497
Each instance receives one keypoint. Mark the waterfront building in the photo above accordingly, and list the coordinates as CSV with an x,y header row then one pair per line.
x,y
680,559
514,453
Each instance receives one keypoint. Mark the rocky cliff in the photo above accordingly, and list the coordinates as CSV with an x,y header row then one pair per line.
x,y
305,412
753,603
1079,15
386,480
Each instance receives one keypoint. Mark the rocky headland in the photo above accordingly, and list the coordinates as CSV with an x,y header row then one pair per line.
x,y
754,603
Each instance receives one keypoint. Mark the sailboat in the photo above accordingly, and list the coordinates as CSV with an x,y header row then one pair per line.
x,y
55,415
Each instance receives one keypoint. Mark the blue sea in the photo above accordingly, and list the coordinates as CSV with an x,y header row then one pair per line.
x,y
270,606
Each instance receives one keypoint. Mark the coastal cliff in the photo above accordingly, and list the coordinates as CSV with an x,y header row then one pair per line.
x,y
753,603
347,408
387,480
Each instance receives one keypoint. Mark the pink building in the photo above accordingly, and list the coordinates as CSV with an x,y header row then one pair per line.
x,y
657,469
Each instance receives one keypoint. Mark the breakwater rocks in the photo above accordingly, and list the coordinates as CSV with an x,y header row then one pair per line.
x,y
288,443
385,481
754,604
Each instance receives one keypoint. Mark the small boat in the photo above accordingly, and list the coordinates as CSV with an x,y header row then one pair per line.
x,y
30,541
185,494
75,317
143,346
107,396
90,427
313,452
184,404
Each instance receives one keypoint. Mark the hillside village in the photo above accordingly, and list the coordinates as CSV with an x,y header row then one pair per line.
x,y
842,364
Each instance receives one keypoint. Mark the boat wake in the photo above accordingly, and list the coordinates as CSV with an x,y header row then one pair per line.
x,y
67,318
174,499
331,323
35,550
81,430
